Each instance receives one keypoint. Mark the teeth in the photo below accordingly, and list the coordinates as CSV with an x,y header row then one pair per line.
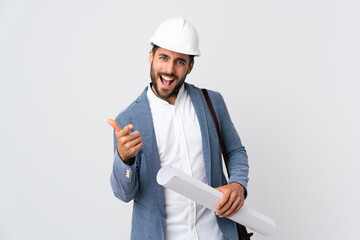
x,y
167,78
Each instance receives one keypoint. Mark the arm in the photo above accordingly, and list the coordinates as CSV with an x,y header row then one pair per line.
x,y
237,158
127,144
235,192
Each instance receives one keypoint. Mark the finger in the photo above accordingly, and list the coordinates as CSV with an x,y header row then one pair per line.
x,y
238,203
235,206
129,137
227,206
241,203
126,130
114,124
133,142
128,153
237,209
137,148
224,198
132,136
134,150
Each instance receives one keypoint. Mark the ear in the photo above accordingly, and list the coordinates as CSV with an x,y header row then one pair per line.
x,y
151,56
190,67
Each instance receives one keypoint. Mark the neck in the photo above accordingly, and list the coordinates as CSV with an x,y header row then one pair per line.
x,y
171,99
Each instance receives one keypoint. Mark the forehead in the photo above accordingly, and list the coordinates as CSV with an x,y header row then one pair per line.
x,y
171,54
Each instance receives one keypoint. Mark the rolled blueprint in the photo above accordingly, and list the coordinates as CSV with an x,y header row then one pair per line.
x,y
204,194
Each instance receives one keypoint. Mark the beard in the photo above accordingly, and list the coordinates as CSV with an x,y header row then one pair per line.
x,y
166,93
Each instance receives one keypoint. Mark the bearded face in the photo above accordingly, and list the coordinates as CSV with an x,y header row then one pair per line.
x,y
168,72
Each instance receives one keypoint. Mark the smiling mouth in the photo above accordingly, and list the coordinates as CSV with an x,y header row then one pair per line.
x,y
166,80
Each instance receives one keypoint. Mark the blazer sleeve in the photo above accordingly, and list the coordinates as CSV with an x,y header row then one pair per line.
x,y
124,177
237,158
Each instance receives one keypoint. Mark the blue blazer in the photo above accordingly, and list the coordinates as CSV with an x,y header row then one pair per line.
x,y
138,181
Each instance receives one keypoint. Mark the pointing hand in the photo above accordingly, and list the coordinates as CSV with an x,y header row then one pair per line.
x,y
128,144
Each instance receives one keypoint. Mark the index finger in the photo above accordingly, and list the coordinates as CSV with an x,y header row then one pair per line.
x,y
126,130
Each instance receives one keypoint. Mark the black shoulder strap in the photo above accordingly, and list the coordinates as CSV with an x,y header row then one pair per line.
x,y
217,126
242,231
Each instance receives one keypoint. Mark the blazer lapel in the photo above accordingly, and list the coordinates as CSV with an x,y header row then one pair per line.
x,y
147,132
199,106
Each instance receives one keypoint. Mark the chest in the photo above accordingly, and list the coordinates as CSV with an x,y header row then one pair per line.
x,y
178,137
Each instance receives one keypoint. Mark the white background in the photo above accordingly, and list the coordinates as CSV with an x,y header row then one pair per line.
x,y
288,70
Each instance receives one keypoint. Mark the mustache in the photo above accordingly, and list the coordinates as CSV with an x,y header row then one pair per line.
x,y
169,75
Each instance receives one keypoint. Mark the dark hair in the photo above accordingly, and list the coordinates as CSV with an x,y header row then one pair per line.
x,y
155,47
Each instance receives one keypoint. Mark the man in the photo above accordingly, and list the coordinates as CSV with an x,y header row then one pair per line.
x,y
170,124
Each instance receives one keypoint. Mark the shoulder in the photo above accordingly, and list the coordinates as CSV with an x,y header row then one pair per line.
x,y
214,95
127,115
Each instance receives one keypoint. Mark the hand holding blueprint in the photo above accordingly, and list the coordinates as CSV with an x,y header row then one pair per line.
x,y
204,194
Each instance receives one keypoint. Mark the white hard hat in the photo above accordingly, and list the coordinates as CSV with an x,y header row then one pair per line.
x,y
178,35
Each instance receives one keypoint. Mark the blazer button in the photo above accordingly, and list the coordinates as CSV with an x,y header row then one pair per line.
x,y
128,173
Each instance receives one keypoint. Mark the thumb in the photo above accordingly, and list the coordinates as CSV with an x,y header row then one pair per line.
x,y
114,124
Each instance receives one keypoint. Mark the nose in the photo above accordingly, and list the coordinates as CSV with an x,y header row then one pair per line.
x,y
170,67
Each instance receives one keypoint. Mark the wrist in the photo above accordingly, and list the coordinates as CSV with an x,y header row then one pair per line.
x,y
123,158
240,188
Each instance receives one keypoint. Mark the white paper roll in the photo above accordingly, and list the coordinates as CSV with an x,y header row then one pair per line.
x,y
203,194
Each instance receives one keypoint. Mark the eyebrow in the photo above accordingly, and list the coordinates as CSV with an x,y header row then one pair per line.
x,y
181,59
178,59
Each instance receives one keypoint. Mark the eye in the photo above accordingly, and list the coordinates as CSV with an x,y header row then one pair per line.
x,y
163,58
180,62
